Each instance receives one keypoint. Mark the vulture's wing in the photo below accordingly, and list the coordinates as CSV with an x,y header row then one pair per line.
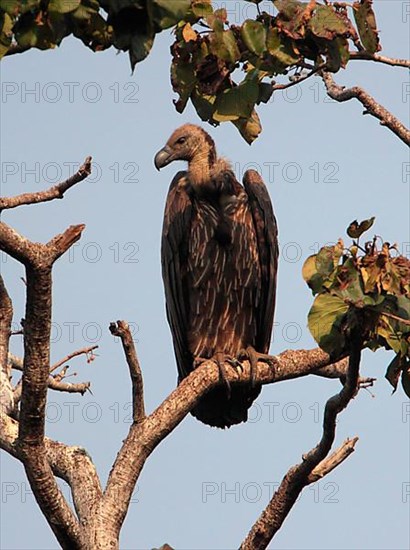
x,y
267,238
174,253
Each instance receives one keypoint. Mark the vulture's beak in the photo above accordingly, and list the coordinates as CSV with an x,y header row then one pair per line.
x,y
163,157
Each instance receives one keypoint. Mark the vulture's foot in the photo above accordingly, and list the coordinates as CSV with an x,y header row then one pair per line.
x,y
221,359
253,357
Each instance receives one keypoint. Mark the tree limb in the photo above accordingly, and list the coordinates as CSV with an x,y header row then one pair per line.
x,y
122,330
55,192
341,94
366,56
144,437
38,260
314,462
72,464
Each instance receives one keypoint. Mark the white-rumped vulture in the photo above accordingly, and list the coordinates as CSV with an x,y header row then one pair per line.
x,y
219,264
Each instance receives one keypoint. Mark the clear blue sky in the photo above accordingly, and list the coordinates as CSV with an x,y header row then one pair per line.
x,y
325,165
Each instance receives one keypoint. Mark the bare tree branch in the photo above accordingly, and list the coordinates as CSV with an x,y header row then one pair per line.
x,y
122,330
301,475
72,464
143,438
298,80
341,94
333,461
38,260
363,55
83,351
55,192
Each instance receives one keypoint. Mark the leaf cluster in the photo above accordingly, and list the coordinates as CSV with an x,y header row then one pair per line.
x,y
300,35
369,283
208,50
128,25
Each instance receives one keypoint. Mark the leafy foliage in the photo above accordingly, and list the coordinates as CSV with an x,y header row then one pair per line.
x,y
372,280
208,49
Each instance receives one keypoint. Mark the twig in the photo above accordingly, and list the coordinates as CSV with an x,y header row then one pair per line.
x,y
297,80
301,475
366,56
82,351
341,94
333,461
55,192
122,330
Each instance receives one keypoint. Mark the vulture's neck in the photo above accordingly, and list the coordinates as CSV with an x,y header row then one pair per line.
x,y
202,165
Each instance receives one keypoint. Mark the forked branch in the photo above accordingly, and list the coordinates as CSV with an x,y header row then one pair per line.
x,y
55,192
315,463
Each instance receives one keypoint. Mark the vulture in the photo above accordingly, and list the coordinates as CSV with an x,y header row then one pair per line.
x,y
219,255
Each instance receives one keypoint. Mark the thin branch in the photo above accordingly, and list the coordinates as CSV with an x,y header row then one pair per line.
x,y
83,351
333,461
122,330
55,192
59,244
296,81
301,475
53,384
366,56
341,94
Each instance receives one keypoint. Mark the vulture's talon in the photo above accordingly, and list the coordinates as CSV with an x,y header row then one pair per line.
x,y
220,359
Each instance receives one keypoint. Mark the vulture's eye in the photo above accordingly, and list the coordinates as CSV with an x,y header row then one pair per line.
x,y
181,140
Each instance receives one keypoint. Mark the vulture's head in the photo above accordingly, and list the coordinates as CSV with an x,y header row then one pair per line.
x,y
190,143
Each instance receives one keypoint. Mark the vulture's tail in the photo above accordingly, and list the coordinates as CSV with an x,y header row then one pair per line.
x,y
218,410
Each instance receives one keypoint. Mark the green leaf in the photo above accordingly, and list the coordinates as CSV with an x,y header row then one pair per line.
x,y
291,18
202,8
223,45
204,105
169,12
355,230
6,25
405,378
237,102
281,47
63,6
366,25
140,47
326,23
44,33
249,128
18,7
265,92
254,35
311,276
183,82
393,371
324,321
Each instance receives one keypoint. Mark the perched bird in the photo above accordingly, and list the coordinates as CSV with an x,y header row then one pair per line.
x,y
219,263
